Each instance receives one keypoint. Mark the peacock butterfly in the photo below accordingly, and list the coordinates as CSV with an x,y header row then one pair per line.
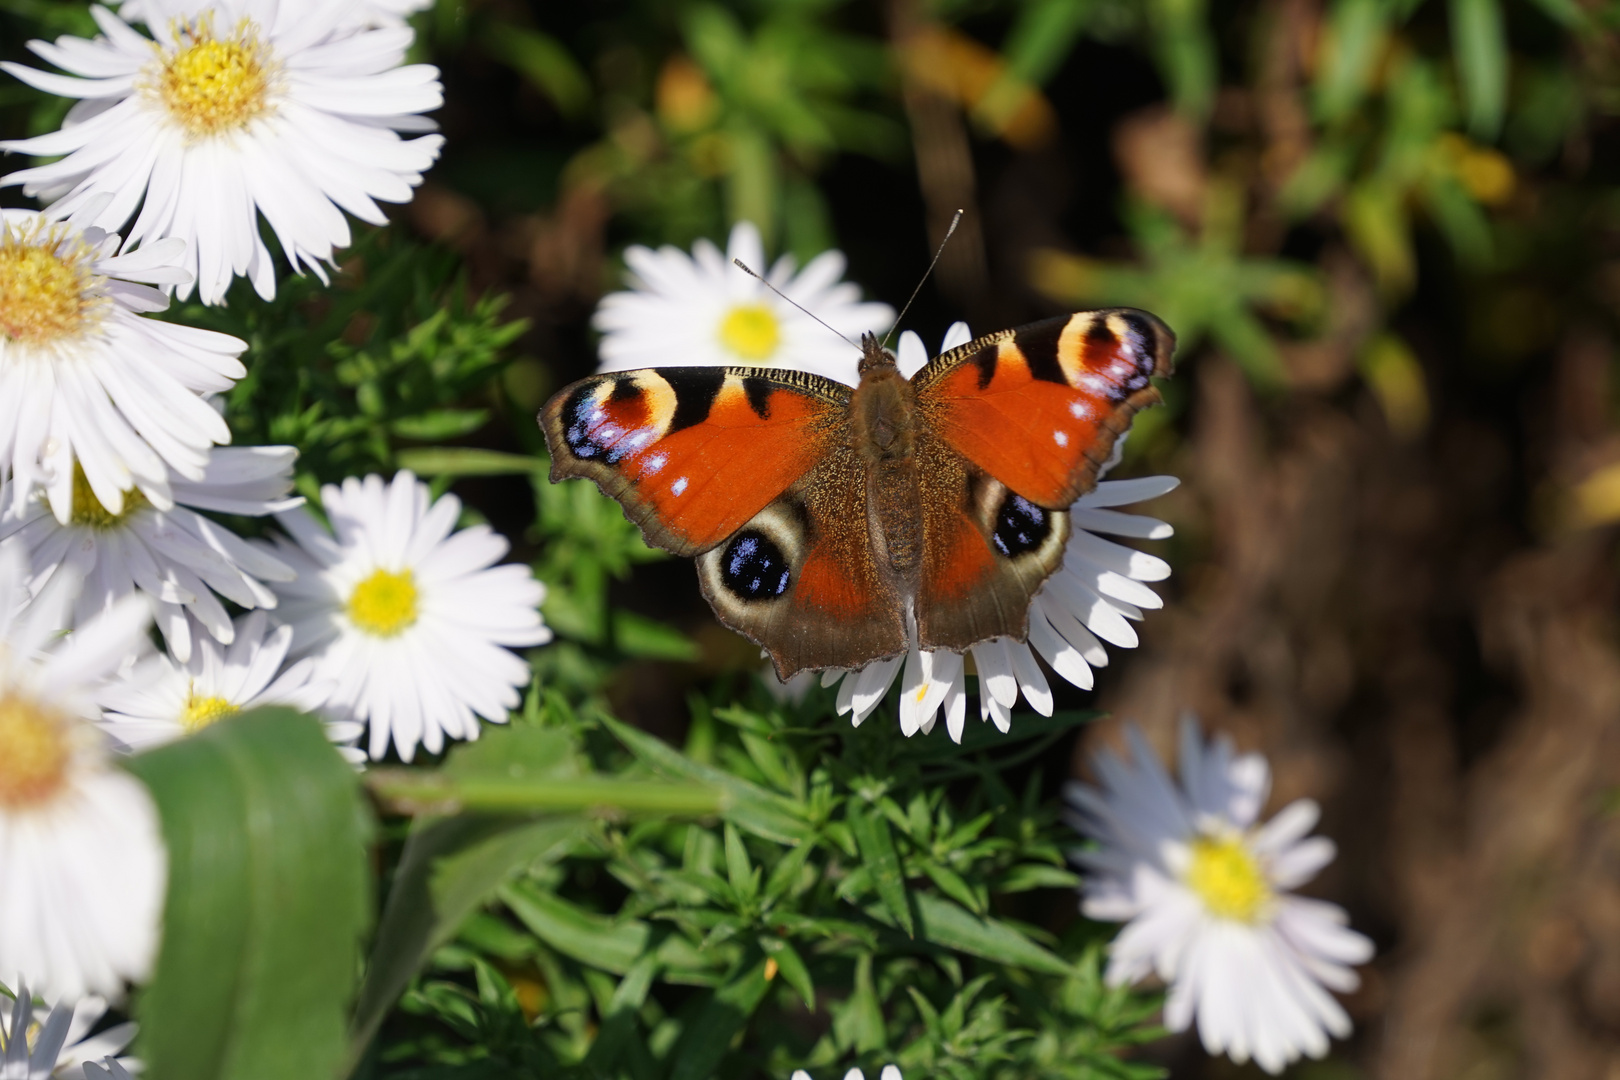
x,y
835,526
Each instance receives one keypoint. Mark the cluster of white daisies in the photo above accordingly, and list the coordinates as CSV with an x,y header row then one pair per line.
x,y
384,619
225,116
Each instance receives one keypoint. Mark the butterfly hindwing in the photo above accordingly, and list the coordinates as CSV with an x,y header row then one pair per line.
x,y
692,453
986,552
800,578
1039,408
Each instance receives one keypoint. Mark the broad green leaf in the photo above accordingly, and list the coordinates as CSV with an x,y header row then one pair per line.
x,y
268,899
619,1019
1480,43
610,944
751,807
882,862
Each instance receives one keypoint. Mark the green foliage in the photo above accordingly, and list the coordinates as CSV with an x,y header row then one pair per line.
x,y
393,352
853,900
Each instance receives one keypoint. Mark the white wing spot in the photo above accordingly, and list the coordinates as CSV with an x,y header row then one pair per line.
x,y
1061,438
678,487
653,464
1079,410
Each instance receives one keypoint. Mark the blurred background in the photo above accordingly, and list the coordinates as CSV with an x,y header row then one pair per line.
x,y
1388,235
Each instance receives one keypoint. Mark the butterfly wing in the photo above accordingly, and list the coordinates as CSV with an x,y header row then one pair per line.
x,y
692,453
750,470
1016,427
1040,407
800,578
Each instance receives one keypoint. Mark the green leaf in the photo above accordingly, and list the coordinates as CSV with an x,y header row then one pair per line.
x,y
1480,44
610,944
1027,876
439,424
707,1041
268,899
468,461
941,922
751,807
740,872
448,868
1355,35
792,968
639,636
882,862
544,62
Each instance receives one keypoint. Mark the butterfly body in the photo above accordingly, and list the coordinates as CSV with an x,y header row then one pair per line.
x,y
837,525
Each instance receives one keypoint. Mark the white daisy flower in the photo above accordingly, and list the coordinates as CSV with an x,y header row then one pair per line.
x,y
699,309
59,1044
1205,892
83,377
362,13
1089,600
163,698
237,108
83,856
178,557
411,623
890,1072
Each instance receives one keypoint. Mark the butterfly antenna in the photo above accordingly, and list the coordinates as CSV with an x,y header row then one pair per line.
x,y
744,267
955,220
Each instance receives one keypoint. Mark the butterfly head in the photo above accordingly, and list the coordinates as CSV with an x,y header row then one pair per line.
x,y
874,355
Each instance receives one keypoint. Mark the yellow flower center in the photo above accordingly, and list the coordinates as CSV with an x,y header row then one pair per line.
x,y
90,513
751,331
385,603
213,85
201,712
34,753
1227,878
46,286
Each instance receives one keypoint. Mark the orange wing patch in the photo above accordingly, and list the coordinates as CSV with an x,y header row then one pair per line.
x,y
692,453
1040,407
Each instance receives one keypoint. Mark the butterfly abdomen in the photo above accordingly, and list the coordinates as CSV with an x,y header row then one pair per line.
x,y
883,428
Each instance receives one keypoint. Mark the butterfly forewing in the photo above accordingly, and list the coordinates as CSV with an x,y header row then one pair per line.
x,y
1039,408
692,453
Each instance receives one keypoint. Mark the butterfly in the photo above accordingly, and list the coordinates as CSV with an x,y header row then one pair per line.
x,y
834,526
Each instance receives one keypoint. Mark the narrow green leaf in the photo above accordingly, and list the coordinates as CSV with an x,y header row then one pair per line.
x,y
545,62
882,862
439,424
792,968
1480,44
619,1022
947,924
268,899
739,871
750,806
1027,876
639,636
858,1022
708,1039
447,869
1355,34
468,461
610,944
